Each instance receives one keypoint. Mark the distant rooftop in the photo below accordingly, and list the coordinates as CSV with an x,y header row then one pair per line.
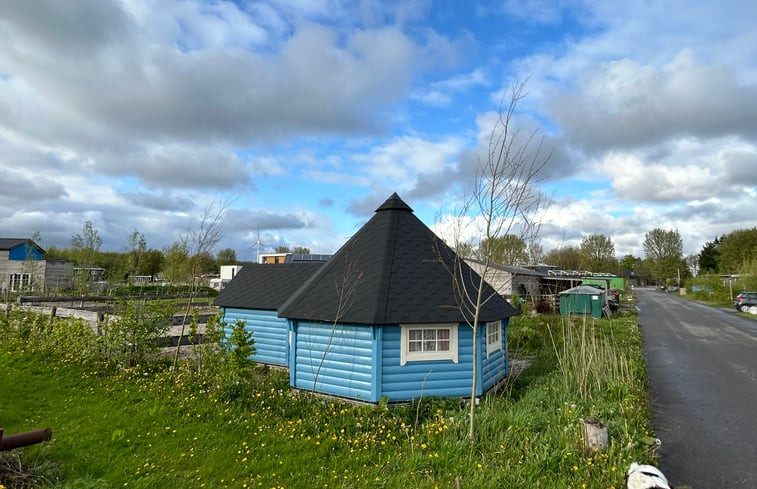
x,y
299,257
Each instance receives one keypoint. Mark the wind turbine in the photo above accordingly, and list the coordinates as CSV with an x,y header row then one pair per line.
x,y
258,243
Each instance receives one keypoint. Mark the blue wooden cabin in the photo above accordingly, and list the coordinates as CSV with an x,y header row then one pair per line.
x,y
254,295
382,318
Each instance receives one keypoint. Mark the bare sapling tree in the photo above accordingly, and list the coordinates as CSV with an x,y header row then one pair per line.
x,y
504,201
346,284
199,240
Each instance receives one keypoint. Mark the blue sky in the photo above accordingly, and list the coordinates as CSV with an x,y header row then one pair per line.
x,y
309,114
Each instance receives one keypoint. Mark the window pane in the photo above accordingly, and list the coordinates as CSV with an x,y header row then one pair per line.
x,y
429,343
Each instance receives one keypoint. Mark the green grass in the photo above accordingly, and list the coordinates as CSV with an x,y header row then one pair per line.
x,y
142,427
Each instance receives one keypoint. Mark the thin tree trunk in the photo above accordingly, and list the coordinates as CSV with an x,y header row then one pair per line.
x,y
181,334
474,382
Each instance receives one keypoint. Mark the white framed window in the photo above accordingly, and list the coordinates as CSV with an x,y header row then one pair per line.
x,y
493,337
428,342
20,281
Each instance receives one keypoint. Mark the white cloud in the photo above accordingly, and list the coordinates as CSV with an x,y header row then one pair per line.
x,y
441,93
128,112
140,85
537,11
681,170
635,181
409,155
625,104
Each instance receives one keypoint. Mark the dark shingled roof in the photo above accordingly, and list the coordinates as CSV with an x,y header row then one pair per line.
x,y
394,270
265,287
10,243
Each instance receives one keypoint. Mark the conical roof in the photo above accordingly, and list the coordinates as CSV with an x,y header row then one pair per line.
x,y
394,270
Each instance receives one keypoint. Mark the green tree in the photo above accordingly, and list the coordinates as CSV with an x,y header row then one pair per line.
x,y
175,263
709,256
508,249
597,253
737,250
629,263
301,250
659,244
282,249
133,332
226,256
565,258
203,263
116,266
86,245
665,250
55,253
135,249
151,263
242,345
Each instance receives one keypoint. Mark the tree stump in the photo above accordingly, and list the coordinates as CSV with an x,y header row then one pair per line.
x,y
595,435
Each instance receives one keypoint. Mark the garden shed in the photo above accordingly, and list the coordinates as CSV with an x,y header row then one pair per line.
x,y
254,295
382,318
584,300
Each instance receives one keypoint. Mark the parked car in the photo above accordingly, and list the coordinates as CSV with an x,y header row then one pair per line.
x,y
745,300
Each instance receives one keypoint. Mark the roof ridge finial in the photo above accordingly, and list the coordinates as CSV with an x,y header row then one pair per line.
x,y
394,202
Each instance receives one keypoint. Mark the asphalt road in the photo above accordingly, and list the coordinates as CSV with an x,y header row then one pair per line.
x,y
702,370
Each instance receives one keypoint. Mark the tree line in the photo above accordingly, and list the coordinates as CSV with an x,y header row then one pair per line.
x,y
663,261
179,262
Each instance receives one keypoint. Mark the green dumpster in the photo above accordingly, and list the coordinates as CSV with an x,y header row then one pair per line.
x,y
583,300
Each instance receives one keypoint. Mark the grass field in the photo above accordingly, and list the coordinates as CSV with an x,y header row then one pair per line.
x,y
144,427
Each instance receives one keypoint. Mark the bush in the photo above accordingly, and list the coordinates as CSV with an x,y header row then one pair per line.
x,y
709,288
134,331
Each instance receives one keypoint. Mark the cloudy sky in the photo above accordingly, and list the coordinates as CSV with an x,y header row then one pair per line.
x,y
308,114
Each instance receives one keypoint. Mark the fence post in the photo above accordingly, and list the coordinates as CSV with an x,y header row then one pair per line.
x,y
595,435
53,312
100,319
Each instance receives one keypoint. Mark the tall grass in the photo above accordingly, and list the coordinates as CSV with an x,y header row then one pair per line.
x,y
588,357
146,427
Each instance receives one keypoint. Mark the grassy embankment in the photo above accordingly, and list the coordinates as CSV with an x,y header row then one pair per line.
x,y
143,427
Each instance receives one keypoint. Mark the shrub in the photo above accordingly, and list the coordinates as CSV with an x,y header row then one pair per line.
x,y
133,332
242,346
